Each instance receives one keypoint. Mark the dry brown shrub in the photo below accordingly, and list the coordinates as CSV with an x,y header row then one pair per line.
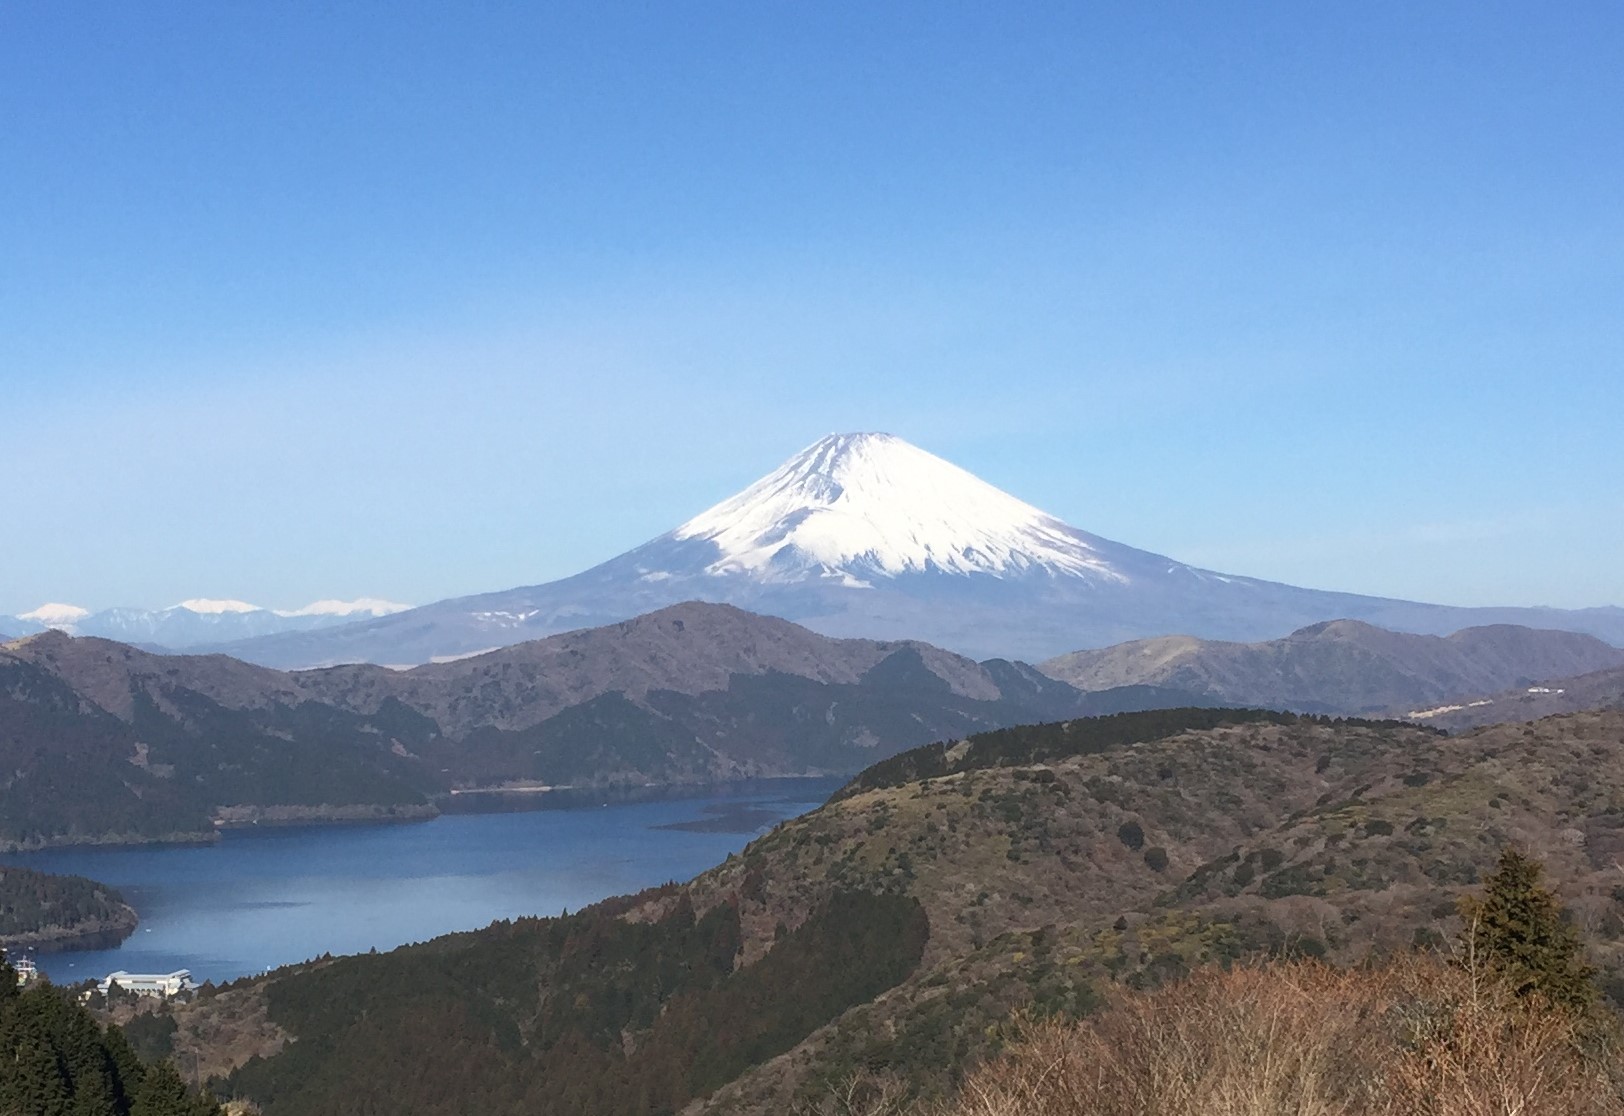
x,y
1419,1039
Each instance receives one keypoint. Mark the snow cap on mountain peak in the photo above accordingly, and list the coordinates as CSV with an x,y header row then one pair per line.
x,y
361,606
855,506
207,607
55,615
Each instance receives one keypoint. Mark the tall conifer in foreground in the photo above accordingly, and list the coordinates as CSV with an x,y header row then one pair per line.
x,y
1517,931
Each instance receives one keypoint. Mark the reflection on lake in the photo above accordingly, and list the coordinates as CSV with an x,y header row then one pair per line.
x,y
267,897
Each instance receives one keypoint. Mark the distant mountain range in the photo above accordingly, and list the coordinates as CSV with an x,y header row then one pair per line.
x,y
1342,667
193,623
104,741
865,535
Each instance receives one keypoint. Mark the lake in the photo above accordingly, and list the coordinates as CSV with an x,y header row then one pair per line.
x,y
265,897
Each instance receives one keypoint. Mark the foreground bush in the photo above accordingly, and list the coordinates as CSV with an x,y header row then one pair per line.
x,y
1420,1039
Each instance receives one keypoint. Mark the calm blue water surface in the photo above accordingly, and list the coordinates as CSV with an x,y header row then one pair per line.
x,y
267,897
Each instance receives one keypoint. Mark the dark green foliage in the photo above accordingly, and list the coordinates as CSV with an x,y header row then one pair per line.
x,y
581,1014
1132,835
33,902
935,1038
1517,928
1033,744
68,772
1299,879
77,773
306,755
151,1035
162,1093
784,721
1156,859
609,734
905,669
55,1061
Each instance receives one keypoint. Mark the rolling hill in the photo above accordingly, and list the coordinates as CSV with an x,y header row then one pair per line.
x,y
901,924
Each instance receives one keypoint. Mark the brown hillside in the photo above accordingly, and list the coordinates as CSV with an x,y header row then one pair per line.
x,y
1343,666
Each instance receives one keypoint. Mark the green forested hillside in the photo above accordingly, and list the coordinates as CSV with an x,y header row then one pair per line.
x,y
586,1013
36,908
76,772
54,1059
68,771
903,923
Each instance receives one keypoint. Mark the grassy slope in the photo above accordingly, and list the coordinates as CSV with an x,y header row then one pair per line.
x,y
1275,843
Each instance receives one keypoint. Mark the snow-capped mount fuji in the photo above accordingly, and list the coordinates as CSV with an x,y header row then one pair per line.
x,y
865,535
194,622
856,507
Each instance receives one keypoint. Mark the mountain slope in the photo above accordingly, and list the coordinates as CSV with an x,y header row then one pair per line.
x,y
864,535
110,742
1599,690
77,773
1341,667
899,925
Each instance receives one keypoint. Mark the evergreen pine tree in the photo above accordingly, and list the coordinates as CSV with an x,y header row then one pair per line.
x,y
1517,931
163,1093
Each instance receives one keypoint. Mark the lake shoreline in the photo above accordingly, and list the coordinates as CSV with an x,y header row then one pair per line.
x,y
460,801
91,935
263,896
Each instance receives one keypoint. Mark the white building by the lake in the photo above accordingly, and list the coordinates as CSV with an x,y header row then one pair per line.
x,y
149,984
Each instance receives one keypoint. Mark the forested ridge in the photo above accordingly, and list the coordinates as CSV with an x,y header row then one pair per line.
x,y
108,743
38,907
1083,736
588,1013
77,773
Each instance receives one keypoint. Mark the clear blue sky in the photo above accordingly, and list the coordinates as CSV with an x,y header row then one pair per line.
x,y
409,300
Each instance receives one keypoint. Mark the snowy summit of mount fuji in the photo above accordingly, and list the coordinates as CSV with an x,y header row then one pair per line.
x,y
853,507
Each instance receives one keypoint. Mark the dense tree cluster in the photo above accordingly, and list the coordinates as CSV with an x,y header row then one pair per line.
x,y
581,1014
56,1061
33,902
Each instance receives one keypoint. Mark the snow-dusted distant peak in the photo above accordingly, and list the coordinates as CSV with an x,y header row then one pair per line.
x,y
206,607
854,506
361,606
55,615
